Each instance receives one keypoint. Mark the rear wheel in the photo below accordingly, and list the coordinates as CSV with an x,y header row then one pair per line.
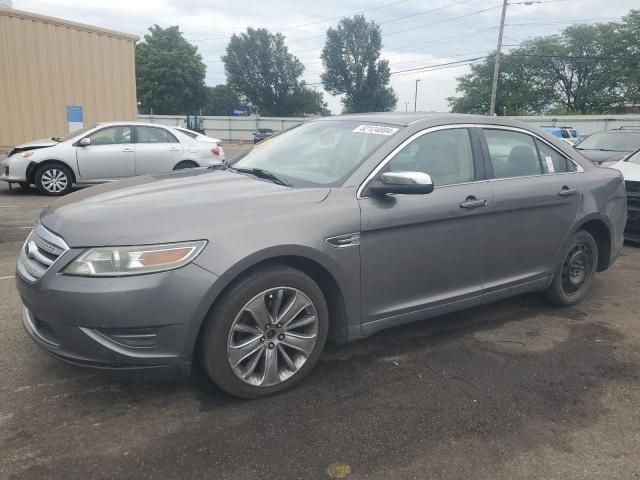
x,y
54,179
186,164
266,333
576,270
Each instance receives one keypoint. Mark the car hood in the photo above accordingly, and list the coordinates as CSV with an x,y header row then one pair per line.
x,y
33,145
171,207
630,171
598,156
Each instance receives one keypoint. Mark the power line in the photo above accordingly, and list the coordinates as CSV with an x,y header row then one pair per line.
x,y
323,20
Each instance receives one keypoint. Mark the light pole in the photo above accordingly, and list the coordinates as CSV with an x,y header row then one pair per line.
x,y
406,106
415,98
496,67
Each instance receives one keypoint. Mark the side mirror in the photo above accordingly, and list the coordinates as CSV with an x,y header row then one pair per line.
x,y
407,183
85,142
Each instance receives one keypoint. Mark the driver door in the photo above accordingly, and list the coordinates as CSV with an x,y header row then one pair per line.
x,y
423,253
110,155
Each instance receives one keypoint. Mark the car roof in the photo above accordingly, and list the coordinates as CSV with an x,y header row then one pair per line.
x,y
142,124
431,118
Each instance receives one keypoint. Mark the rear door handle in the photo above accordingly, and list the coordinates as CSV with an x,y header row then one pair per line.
x,y
127,149
174,149
473,202
567,192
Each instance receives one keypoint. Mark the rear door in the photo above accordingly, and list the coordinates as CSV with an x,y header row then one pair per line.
x,y
157,150
110,155
536,193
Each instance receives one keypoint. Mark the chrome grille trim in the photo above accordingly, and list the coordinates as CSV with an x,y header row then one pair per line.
x,y
40,251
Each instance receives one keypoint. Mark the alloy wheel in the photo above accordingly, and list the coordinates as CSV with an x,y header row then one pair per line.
x,y
54,180
272,337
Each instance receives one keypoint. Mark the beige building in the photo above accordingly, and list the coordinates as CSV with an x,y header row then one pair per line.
x,y
47,64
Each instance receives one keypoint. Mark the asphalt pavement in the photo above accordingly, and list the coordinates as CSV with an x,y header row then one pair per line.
x,y
513,390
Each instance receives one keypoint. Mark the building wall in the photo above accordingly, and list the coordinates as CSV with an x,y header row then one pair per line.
x,y
48,63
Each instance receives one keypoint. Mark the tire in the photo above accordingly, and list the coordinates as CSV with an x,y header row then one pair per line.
x,y
575,271
185,164
54,179
232,333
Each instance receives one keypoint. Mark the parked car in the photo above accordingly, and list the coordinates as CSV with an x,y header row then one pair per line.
x,y
261,134
630,168
609,146
106,152
248,268
569,134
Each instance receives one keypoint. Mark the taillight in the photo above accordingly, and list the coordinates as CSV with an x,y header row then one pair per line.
x,y
215,151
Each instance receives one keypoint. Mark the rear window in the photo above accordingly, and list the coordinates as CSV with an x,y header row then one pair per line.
x,y
611,140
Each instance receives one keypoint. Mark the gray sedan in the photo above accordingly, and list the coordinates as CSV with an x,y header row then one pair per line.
x,y
107,152
336,229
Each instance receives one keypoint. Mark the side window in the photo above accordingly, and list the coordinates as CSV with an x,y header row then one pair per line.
x,y
111,136
512,154
155,135
552,161
445,155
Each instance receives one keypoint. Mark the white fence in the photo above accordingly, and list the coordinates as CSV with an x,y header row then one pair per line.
x,y
242,128
229,128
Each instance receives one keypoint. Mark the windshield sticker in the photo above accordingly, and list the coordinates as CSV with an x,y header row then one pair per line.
x,y
376,129
550,166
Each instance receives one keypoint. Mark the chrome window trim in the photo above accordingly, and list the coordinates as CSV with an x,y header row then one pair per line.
x,y
452,126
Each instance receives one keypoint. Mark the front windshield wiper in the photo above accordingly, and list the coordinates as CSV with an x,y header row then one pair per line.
x,y
56,139
262,173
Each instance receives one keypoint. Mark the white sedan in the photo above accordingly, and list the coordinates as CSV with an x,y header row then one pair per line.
x,y
107,152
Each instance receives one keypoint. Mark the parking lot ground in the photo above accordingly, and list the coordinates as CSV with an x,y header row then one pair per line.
x,y
513,390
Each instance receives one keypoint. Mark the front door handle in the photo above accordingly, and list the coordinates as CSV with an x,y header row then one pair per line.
x,y
567,192
473,202
127,149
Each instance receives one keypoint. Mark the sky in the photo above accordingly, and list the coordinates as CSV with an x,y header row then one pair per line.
x,y
415,33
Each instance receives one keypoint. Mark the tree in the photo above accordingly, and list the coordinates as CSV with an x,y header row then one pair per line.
x,y
169,73
218,99
260,68
351,58
584,69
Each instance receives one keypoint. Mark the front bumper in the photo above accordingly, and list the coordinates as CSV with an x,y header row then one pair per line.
x,y
13,170
136,327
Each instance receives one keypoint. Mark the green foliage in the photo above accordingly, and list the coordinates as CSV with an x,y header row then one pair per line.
x,y
218,99
351,57
260,68
584,69
169,73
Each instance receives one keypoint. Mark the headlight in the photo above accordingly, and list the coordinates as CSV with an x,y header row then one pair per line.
x,y
121,261
27,154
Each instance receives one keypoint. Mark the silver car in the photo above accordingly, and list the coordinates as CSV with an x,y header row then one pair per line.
x,y
106,152
337,228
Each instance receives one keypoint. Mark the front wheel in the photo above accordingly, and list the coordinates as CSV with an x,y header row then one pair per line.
x,y
266,333
54,179
575,272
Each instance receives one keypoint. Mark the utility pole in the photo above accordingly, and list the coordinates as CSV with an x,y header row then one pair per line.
x,y
406,106
496,68
415,98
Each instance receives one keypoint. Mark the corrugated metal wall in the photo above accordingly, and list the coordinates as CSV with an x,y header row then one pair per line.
x,y
48,63
584,124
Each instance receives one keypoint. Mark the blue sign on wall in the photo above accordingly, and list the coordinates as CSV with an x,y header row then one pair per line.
x,y
238,110
75,117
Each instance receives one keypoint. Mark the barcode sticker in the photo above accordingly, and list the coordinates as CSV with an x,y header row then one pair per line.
x,y
550,166
376,129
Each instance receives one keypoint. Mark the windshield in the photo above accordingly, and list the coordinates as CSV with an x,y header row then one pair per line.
x,y
188,132
322,153
635,158
615,141
75,133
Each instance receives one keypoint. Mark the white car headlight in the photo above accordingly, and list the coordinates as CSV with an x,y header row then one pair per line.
x,y
137,260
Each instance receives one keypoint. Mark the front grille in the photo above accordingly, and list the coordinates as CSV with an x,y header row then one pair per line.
x,y
41,250
632,187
